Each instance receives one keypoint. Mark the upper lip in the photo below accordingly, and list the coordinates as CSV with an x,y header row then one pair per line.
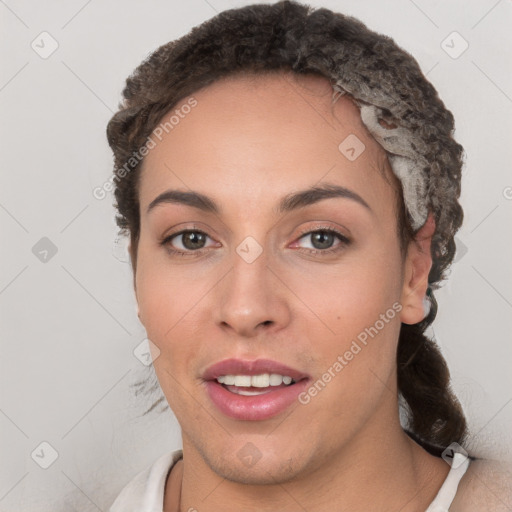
x,y
255,367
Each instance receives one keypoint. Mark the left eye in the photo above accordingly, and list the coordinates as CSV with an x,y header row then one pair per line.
x,y
323,239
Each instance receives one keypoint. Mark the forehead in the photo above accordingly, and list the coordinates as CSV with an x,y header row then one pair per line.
x,y
256,137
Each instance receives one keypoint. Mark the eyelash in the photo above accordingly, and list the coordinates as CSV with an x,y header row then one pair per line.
x,y
323,252
344,241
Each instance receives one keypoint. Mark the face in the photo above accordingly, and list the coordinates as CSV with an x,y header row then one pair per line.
x,y
264,283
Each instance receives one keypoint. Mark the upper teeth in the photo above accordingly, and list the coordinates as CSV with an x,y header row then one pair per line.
x,y
258,381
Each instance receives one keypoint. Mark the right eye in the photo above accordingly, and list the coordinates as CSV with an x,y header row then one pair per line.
x,y
188,242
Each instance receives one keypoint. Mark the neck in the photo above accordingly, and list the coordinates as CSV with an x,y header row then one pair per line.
x,y
382,467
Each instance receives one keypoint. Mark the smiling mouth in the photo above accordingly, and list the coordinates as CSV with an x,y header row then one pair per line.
x,y
254,385
253,390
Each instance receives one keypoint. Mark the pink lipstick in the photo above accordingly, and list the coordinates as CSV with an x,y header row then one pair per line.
x,y
253,390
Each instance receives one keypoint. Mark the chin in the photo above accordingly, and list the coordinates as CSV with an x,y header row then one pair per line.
x,y
251,466
261,473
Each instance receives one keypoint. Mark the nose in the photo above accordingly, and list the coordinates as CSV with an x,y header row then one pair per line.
x,y
251,299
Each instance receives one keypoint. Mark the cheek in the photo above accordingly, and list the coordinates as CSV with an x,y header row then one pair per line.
x,y
354,369
172,301
353,323
166,306
346,298
165,293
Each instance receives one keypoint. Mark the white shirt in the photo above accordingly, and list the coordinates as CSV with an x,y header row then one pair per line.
x,y
145,492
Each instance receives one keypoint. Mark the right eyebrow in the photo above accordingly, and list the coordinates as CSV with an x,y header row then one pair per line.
x,y
194,199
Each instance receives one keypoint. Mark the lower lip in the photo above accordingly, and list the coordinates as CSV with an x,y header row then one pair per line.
x,y
254,408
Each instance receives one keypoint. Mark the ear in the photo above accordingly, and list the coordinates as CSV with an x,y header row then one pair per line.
x,y
417,267
132,251
133,256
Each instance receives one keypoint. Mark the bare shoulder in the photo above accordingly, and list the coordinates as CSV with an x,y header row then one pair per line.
x,y
486,485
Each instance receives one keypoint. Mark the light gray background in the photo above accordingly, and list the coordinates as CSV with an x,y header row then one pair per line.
x,y
68,325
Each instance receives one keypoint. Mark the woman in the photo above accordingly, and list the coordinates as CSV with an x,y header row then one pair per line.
x,y
289,182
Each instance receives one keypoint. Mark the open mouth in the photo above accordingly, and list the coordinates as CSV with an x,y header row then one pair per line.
x,y
253,390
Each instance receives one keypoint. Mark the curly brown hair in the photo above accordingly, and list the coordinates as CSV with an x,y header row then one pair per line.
x,y
288,36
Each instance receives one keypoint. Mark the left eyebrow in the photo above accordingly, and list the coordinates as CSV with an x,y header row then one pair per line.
x,y
293,201
313,195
